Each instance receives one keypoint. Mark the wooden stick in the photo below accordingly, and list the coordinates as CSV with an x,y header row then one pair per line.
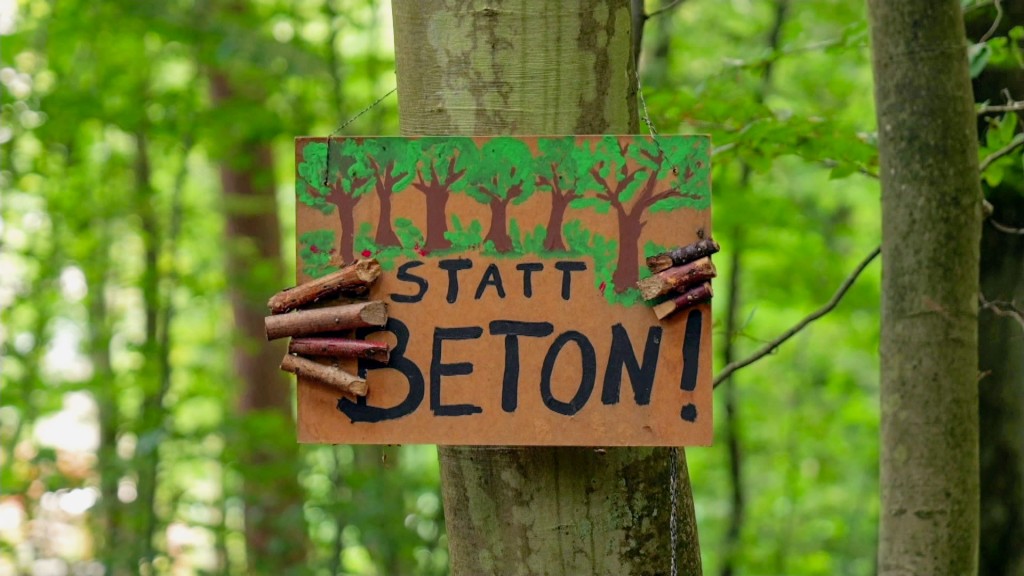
x,y
683,255
352,279
329,375
687,299
373,313
676,279
340,348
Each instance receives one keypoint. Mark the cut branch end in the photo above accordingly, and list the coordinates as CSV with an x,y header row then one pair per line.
x,y
676,279
327,375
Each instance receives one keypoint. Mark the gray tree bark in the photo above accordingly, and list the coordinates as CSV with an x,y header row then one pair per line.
x,y
931,214
540,67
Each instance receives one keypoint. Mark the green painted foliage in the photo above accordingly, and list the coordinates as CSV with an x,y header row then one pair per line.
x,y
395,157
607,158
310,186
503,172
441,160
315,250
335,167
465,237
603,252
560,160
349,169
408,234
363,243
528,242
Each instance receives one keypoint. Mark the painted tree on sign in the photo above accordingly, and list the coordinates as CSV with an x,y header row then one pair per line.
x,y
440,166
559,170
394,166
336,183
640,176
503,176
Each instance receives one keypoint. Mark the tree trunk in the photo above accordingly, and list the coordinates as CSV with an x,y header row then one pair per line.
x,y
344,205
437,219
731,425
385,231
627,268
553,238
151,412
931,215
541,510
1000,338
498,232
110,466
273,500
1001,394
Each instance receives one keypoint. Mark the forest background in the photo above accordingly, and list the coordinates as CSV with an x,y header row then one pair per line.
x,y
148,211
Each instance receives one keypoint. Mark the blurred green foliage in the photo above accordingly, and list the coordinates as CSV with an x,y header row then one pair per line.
x,y
83,79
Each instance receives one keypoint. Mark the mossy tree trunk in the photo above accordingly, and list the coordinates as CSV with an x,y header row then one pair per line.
x,y
931,215
540,67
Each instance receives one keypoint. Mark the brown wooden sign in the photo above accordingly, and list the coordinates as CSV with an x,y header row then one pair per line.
x,y
510,270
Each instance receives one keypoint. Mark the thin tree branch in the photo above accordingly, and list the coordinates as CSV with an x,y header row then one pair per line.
x,y
1005,309
1017,142
1008,107
1004,228
829,163
995,22
723,148
828,307
977,6
663,9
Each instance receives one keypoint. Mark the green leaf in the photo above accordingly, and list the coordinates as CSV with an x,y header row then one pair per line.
x,y
994,174
978,55
842,171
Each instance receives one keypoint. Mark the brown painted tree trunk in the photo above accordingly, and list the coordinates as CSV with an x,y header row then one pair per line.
x,y
385,231
273,500
559,203
1000,338
437,218
493,70
627,268
931,221
344,205
498,232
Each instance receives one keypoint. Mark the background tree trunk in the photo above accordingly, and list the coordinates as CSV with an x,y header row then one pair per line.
x,y
931,214
1001,393
273,497
468,70
110,514
1001,339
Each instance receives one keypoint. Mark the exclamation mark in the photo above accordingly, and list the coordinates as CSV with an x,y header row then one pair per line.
x,y
691,358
